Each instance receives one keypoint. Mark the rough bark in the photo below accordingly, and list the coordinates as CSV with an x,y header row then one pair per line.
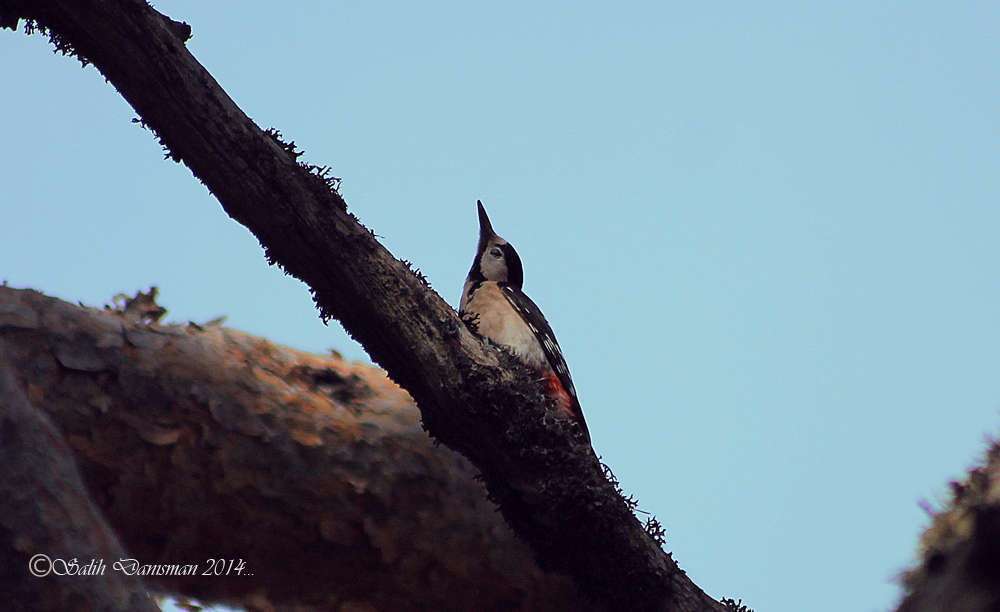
x,y
959,569
200,442
476,399
51,533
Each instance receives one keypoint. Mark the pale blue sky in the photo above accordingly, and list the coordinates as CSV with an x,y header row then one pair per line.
x,y
766,234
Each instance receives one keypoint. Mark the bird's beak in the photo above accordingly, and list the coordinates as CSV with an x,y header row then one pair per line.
x,y
485,229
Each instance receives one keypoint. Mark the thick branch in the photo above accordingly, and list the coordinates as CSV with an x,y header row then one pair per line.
x,y
200,442
476,400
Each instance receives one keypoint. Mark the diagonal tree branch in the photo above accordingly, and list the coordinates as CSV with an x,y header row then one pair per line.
x,y
475,399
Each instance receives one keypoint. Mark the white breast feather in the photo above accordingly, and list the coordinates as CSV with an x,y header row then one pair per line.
x,y
499,322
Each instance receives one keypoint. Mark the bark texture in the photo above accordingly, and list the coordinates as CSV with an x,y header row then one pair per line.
x,y
201,443
476,399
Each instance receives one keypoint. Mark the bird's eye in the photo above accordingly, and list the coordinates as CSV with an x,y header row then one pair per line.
x,y
496,253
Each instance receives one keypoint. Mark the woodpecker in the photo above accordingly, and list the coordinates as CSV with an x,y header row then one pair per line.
x,y
492,301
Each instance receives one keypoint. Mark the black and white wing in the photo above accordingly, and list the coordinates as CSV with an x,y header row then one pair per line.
x,y
533,316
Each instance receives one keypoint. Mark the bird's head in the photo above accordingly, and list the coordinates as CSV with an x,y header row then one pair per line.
x,y
496,260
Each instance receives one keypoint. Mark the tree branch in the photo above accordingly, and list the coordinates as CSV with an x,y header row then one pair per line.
x,y
474,398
